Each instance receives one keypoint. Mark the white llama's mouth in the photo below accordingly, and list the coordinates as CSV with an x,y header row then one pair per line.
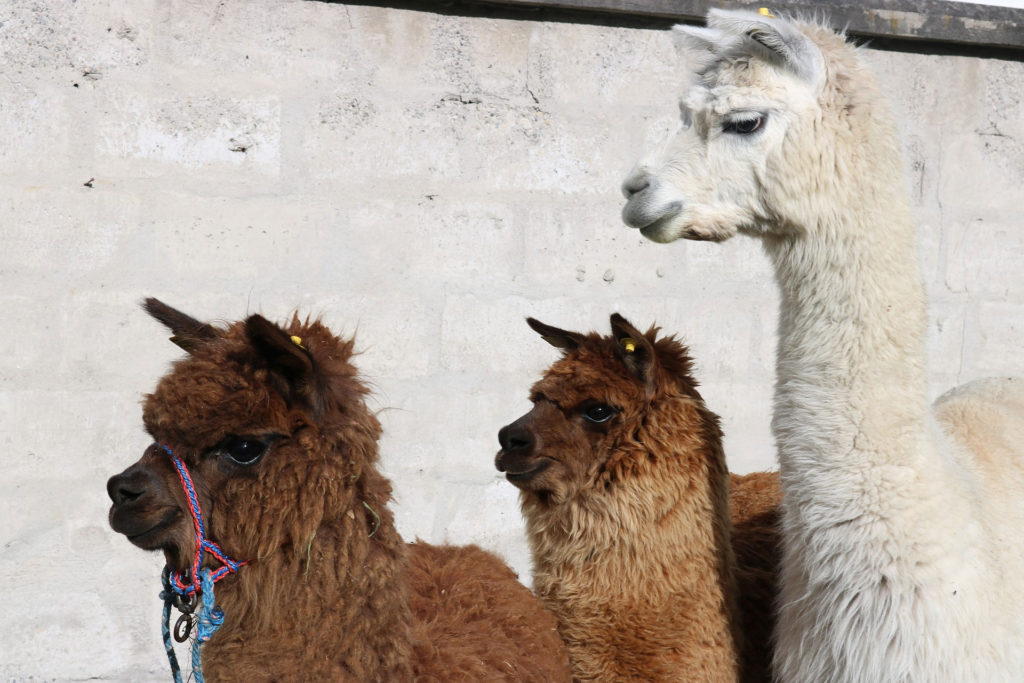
x,y
665,229
643,214
674,223
665,225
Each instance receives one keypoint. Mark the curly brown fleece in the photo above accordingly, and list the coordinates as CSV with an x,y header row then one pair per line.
x,y
331,593
626,496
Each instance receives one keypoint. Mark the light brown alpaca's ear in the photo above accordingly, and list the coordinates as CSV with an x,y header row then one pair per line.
x,y
562,339
189,333
288,362
633,348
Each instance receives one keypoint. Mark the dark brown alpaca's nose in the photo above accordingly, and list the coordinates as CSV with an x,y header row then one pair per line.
x,y
515,439
128,486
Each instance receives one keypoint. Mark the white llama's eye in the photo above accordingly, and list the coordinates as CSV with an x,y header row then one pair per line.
x,y
744,126
598,413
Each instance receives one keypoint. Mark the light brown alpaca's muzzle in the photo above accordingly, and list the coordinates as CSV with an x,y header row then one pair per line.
x,y
518,457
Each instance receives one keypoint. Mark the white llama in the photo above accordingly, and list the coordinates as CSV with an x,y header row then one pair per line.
x,y
903,527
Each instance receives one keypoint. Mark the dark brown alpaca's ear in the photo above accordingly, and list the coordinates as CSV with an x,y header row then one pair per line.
x,y
562,339
288,362
189,333
633,348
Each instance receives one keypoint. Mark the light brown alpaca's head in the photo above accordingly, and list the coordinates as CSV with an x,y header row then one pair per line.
x,y
254,412
605,409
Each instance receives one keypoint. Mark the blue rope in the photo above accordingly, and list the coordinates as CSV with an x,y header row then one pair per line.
x,y
167,595
208,621
209,617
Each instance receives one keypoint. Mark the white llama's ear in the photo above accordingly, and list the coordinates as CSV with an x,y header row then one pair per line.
x,y
697,37
700,45
775,40
560,339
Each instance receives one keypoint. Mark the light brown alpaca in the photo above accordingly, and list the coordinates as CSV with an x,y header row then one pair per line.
x,y
626,496
282,449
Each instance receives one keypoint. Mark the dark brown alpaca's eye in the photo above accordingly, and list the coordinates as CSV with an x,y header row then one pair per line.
x,y
242,450
598,413
744,126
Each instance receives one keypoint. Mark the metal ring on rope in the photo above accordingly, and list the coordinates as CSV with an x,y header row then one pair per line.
x,y
193,588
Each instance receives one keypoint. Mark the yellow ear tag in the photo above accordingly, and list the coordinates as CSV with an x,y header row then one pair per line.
x,y
298,342
629,344
765,12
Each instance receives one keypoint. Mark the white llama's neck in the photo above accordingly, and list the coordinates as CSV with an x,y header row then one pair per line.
x,y
851,400
851,338
880,520
851,388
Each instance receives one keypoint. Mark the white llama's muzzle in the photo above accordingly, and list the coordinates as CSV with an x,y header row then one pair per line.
x,y
652,207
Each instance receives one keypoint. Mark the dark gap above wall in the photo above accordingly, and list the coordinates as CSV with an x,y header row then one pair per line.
x,y
922,26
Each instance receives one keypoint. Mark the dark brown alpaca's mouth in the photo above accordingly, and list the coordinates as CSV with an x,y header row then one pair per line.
x,y
147,537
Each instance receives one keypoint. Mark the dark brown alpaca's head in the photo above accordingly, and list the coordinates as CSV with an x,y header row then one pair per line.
x,y
597,410
255,412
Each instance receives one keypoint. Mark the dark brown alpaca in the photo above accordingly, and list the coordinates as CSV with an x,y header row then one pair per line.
x,y
272,423
626,496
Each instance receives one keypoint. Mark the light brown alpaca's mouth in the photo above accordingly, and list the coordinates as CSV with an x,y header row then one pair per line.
x,y
524,476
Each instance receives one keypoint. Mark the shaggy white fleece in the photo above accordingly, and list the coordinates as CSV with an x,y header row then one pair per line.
x,y
903,522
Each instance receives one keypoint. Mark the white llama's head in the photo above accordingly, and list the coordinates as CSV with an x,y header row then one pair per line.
x,y
750,114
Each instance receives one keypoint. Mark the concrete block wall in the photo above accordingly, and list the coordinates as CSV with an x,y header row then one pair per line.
x,y
423,181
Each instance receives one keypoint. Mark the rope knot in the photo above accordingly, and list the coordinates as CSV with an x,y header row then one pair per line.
x,y
210,616
181,588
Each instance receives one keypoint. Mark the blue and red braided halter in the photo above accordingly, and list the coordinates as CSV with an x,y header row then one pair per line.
x,y
186,584
182,589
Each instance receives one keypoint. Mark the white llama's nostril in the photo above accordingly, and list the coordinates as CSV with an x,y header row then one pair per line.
x,y
636,182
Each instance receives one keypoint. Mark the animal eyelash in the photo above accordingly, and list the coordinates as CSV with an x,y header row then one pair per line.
x,y
745,125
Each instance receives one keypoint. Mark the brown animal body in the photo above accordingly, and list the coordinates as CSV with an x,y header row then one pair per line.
x,y
283,453
626,496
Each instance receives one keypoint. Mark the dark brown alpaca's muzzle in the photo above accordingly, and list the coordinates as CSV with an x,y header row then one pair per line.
x,y
143,509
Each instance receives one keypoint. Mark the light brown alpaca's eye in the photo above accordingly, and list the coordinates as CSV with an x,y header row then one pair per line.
x,y
598,413
744,126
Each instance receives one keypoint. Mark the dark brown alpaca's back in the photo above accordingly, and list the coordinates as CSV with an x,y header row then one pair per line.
x,y
454,593
755,499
